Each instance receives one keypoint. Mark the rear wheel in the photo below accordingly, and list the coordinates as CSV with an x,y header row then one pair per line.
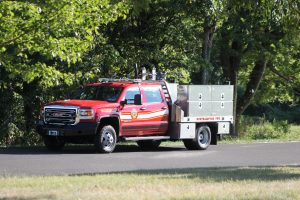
x,y
189,144
201,141
148,144
203,137
106,139
53,143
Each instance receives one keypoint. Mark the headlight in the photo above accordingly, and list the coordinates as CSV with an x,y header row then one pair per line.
x,y
86,113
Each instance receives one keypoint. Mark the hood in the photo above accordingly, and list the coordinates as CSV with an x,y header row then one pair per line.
x,y
82,103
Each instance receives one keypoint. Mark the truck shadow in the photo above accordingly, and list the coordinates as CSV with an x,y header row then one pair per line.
x,y
223,174
80,149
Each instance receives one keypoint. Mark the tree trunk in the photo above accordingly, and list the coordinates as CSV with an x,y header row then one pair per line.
x,y
231,64
29,103
256,77
234,65
206,51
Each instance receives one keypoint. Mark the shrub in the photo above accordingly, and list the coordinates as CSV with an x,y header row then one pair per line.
x,y
256,128
13,135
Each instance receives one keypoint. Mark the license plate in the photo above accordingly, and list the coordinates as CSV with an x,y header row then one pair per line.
x,y
53,132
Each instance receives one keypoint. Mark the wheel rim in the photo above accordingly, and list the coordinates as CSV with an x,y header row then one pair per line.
x,y
107,140
203,137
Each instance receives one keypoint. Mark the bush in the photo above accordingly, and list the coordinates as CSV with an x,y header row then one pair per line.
x,y
256,128
13,135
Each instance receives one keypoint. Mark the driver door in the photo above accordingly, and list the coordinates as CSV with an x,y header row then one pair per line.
x,y
129,114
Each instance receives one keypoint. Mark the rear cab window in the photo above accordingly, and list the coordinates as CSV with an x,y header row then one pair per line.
x,y
153,94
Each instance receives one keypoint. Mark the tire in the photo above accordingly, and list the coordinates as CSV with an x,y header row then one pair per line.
x,y
203,137
53,143
148,144
201,141
189,144
106,139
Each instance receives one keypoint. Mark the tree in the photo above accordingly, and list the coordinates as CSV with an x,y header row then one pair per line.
x,y
39,40
248,37
168,35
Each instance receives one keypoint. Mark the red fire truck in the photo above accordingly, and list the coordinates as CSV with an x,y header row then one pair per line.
x,y
147,112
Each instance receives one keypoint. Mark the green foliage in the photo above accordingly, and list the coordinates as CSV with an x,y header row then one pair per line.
x,y
13,135
36,37
179,75
256,128
12,120
277,111
167,35
50,47
282,80
40,42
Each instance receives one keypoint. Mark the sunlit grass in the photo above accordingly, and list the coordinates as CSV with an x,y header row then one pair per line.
x,y
216,183
292,135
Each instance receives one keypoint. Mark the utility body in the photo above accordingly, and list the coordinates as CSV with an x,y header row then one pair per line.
x,y
147,112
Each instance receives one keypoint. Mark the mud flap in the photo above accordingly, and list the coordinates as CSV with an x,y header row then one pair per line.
x,y
214,139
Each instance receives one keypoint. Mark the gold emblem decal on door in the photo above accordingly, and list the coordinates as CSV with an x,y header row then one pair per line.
x,y
134,114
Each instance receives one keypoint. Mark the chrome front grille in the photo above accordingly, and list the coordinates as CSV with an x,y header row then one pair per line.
x,y
65,115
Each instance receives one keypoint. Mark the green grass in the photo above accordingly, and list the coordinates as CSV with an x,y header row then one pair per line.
x,y
214,183
292,135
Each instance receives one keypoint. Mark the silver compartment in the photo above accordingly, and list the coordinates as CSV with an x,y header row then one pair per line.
x,y
205,100
223,127
182,130
222,92
187,130
222,108
199,93
199,108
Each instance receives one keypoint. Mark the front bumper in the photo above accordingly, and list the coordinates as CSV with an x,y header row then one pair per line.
x,y
80,129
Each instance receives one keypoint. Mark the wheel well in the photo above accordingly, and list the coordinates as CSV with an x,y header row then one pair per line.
x,y
113,121
213,129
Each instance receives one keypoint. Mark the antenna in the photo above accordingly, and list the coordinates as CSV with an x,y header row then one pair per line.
x,y
136,71
144,73
154,74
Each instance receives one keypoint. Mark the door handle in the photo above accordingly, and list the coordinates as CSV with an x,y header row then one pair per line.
x,y
164,107
142,108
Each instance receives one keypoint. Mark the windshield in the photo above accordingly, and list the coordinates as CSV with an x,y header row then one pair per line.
x,y
101,93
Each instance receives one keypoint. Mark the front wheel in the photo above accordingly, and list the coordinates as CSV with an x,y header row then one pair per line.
x,y
201,141
106,139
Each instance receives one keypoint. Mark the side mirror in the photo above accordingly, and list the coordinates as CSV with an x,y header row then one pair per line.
x,y
123,103
137,99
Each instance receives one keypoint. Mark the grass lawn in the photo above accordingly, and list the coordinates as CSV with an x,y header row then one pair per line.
x,y
292,135
214,183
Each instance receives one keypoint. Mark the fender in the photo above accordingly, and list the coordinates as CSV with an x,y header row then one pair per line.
x,y
113,120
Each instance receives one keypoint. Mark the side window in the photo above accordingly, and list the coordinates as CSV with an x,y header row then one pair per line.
x,y
153,95
130,93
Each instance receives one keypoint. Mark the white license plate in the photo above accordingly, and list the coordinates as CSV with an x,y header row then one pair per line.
x,y
53,132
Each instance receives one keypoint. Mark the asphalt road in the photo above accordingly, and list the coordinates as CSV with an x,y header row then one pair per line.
x,y
82,159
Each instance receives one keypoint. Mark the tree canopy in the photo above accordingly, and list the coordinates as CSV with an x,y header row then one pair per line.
x,y
48,46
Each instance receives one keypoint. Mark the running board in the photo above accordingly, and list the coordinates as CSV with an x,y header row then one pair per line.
x,y
147,138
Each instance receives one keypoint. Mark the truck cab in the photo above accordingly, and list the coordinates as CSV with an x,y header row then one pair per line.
x,y
105,113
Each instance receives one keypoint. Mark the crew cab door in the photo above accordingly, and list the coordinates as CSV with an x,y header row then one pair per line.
x,y
155,113
131,124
